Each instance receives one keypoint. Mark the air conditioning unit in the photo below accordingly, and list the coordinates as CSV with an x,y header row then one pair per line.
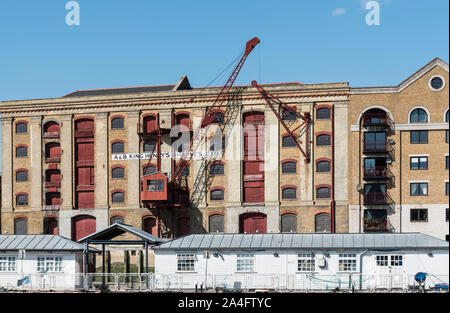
x,y
321,262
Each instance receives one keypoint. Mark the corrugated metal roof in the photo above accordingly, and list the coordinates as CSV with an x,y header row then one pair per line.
x,y
38,243
117,229
304,241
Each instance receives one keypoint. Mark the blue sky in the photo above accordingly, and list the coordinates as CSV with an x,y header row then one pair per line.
x,y
146,42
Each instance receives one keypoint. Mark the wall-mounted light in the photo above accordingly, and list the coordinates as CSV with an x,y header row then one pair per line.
x,y
358,188
276,254
430,254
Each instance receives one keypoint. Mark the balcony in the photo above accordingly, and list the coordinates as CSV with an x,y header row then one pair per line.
x,y
50,135
84,133
377,172
377,198
53,207
377,225
376,146
53,184
53,159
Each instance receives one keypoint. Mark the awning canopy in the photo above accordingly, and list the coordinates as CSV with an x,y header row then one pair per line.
x,y
116,229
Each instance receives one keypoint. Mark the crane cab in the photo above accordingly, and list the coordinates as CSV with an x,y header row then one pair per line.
x,y
154,187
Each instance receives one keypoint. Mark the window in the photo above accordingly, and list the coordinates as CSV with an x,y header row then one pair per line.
x,y
287,141
21,128
323,166
418,116
419,163
419,136
21,152
22,199
419,215
117,123
217,169
116,219
323,193
186,262
20,226
289,167
217,194
446,136
306,262
436,83
446,214
289,193
447,116
323,140
288,223
446,188
118,197
396,260
245,262
21,176
446,162
149,146
117,147
216,223
186,171
322,223
149,169
118,172
347,262
419,189
288,115
323,114
382,260
7,264
374,142
155,185
219,118
49,264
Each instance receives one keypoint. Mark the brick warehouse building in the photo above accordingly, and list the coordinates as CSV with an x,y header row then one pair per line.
x,y
72,151
398,150
64,170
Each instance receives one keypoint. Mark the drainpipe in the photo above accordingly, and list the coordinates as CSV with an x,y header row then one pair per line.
x,y
332,204
361,268
359,173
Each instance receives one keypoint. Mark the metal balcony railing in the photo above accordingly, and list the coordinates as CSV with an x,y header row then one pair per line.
x,y
376,119
84,133
377,198
55,159
53,184
48,135
377,172
53,207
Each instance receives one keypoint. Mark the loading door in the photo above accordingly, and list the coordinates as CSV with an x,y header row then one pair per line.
x,y
82,226
252,223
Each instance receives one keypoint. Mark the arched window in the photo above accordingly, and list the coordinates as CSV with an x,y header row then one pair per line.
x,y
21,176
21,152
446,116
217,194
50,226
116,220
288,223
53,198
118,147
216,223
288,115
149,146
323,166
22,199
287,141
289,167
418,116
219,118
149,225
21,128
217,169
322,223
52,151
289,193
118,172
150,124
323,140
118,197
51,130
117,123
323,114
20,226
323,193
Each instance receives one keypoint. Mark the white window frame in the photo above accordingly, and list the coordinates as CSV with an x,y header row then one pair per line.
x,y
349,262
245,262
49,264
306,262
186,261
8,264
396,260
382,260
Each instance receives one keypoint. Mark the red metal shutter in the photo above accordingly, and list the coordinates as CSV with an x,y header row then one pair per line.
x,y
82,226
252,223
183,119
85,199
51,226
149,225
150,124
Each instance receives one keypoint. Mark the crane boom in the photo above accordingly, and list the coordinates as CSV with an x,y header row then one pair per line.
x,y
211,112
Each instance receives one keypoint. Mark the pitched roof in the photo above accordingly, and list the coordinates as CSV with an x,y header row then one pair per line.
x,y
303,241
38,243
392,89
117,229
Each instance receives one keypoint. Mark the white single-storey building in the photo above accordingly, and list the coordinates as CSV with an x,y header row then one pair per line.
x,y
301,261
40,262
